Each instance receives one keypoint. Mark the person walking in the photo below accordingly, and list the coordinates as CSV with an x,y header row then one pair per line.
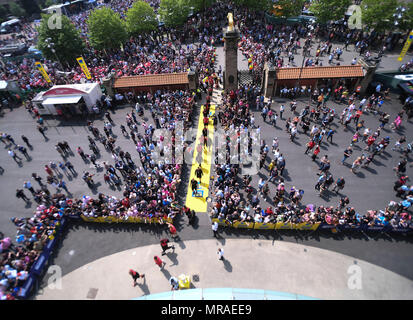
x,y
339,185
41,130
69,165
37,178
356,164
215,228
282,108
107,115
62,184
48,171
164,246
310,146
81,153
135,276
315,152
26,141
20,194
23,150
330,134
220,253
14,156
28,186
159,262
194,186
347,153
199,173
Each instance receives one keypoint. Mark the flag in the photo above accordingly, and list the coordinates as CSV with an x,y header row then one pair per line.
x,y
406,46
40,67
83,65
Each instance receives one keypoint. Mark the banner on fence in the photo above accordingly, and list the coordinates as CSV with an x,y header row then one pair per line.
x,y
264,226
307,226
284,225
243,225
112,219
327,226
221,222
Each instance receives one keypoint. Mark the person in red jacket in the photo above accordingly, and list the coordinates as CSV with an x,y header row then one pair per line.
x,y
159,262
165,246
310,146
135,276
315,152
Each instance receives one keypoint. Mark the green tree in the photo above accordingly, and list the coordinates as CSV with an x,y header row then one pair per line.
x,y
66,40
16,10
106,29
378,14
327,10
290,8
140,18
3,12
174,12
258,5
30,6
200,5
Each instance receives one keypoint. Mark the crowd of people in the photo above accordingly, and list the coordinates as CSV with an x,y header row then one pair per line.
x,y
237,201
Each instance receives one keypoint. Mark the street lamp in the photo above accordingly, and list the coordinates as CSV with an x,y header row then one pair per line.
x,y
51,45
398,15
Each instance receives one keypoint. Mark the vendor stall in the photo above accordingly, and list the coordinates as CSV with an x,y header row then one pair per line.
x,y
68,99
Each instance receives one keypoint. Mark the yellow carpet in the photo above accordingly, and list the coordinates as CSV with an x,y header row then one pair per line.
x,y
199,203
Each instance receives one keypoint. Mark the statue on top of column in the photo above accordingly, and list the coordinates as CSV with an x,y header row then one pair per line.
x,y
230,22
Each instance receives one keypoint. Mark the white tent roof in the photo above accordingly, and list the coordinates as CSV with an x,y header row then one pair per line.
x,y
62,100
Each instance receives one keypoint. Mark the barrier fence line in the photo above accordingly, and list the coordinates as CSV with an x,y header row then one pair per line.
x,y
198,201
112,219
308,226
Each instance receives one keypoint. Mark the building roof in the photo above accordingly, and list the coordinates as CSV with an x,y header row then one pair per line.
x,y
355,71
152,80
85,87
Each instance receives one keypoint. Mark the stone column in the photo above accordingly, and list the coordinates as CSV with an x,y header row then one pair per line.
x,y
369,71
108,84
231,59
270,80
192,83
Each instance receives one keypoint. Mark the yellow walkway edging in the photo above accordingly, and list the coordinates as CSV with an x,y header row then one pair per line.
x,y
198,201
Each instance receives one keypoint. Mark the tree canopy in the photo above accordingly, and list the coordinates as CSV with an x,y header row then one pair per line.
x,y
258,5
200,5
174,12
289,8
140,18
66,40
16,10
329,10
106,29
378,14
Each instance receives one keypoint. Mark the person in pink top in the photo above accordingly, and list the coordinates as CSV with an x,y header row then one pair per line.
x,y
5,244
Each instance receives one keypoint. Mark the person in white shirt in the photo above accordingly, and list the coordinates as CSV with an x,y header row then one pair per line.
x,y
215,228
220,254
